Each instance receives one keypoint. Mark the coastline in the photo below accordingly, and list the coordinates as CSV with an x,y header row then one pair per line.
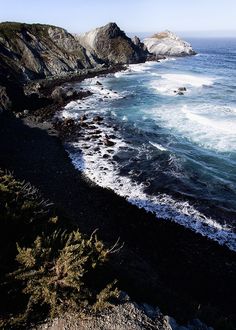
x,y
180,275
92,156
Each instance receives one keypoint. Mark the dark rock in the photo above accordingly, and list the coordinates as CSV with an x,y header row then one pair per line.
x,y
97,119
98,83
182,89
112,136
5,102
180,93
84,125
108,143
91,127
105,156
83,117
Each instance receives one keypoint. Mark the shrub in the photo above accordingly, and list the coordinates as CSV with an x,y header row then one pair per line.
x,y
49,270
55,269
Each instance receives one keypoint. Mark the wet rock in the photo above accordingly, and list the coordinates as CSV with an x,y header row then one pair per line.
x,y
83,117
95,137
182,89
180,93
98,83
26,112
108,143
112,136
97,119
91,127
84,125
106,156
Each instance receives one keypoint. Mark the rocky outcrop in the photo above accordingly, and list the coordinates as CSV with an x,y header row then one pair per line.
x,y
38,51
111,45
127,315
168,44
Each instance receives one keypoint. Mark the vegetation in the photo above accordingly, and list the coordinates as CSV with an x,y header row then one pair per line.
x,y
45,269
161,35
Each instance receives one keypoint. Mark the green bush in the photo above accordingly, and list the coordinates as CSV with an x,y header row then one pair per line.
x,y
44,269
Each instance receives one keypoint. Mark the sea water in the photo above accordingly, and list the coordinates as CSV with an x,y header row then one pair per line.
x,y
174,155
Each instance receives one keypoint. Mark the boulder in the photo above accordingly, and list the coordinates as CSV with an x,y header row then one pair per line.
x,y
182,89
108,142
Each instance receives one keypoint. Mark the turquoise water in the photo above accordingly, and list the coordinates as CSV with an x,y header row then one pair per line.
x,y
180,146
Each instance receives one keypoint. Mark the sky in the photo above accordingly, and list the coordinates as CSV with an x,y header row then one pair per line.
x,y
191,17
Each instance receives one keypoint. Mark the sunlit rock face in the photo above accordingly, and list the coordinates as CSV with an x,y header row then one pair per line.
x,y
111,45
168,44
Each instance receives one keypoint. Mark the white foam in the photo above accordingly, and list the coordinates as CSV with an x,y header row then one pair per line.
x,y
167,59
168,84
104,171
186,79
158,146
210,126
100,95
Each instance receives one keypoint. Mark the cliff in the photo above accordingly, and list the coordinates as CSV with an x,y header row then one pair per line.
x,y
111,45
37,51
168,44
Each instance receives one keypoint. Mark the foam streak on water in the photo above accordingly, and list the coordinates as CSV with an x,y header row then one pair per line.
x,y
173,155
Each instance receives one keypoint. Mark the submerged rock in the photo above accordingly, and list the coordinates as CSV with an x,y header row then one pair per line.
x,y
168,44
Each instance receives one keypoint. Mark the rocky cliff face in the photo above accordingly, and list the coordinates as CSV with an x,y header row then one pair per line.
x,y
111,45
168,44
38,51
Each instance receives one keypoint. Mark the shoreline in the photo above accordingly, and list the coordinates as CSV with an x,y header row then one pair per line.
x,y
90,140
161,263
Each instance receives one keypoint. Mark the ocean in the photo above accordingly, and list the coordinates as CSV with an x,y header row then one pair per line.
x,y
174,155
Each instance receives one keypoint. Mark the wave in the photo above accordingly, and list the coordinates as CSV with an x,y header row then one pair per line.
x,y
101,169
100,95
168,84
158,146
210,126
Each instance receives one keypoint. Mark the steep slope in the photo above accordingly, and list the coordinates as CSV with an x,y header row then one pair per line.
x,y
111,45
168,44
38,51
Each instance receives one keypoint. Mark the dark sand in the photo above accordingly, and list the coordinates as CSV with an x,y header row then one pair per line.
x,y
161,262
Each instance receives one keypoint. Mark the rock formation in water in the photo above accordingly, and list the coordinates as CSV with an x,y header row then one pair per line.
x,y
111,45
168,44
